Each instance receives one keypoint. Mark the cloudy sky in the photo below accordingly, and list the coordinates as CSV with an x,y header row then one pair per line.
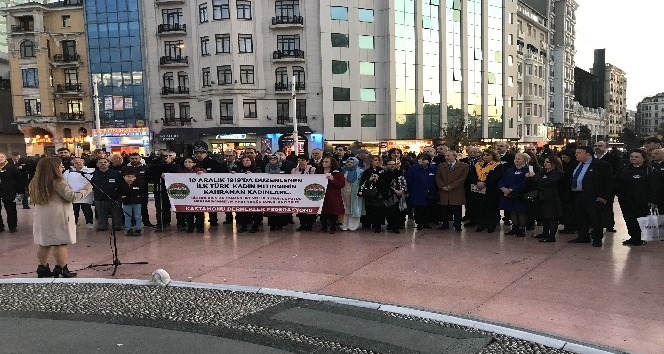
x,y
631,33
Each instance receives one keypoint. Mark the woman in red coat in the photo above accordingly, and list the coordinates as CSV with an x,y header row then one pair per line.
x,y
333,205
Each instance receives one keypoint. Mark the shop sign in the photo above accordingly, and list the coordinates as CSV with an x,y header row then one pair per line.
x,y
122,131
74,140
231,136
39,139
383,145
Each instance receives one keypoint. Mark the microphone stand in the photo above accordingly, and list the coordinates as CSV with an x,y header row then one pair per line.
x,y
113,240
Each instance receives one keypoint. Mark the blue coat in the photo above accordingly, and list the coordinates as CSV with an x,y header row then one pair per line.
x,y
420,181
514,179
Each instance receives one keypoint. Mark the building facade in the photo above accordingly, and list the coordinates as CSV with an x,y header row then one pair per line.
x,y
117,70
562,86
615,99
533,69
222,72
48,68
649,117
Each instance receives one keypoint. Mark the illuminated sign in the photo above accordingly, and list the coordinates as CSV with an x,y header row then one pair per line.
x,y
122,131
74,140
231,136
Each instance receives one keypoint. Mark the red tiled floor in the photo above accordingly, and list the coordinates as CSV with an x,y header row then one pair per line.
x,y
609,295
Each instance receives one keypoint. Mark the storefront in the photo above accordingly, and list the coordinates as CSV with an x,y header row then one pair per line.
x,y
236,142
124,140
409,146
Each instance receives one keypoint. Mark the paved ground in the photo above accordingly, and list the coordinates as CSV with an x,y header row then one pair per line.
x,y
609,296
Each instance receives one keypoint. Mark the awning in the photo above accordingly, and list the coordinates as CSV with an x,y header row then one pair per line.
x,y
183,134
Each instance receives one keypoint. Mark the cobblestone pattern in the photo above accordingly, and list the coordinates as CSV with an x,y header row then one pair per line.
x,y
195,306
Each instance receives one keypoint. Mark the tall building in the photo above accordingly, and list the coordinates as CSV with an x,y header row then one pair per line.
x,y
222,72
563,59
649,115
613,93
48,70
117,69
373,72
533,68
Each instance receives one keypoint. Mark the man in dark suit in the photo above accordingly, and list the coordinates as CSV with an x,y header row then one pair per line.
x,y
26,168
602,153
507,160
474,156
592,189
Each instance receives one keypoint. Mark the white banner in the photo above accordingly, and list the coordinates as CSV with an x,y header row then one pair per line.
x,y
253,192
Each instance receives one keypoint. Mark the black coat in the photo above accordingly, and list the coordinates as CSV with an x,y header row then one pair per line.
x,y
548,182
614,161
636,187
26,167
597,182
108,182
132,194
11,182
507,160
211,165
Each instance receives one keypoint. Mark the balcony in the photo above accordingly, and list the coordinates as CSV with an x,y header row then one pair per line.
x,y
289,120
226,120
286,88
169,61
167,2
172,91
71,116
66,59
288,55
287,21
176,122
69,88
171,29
23,27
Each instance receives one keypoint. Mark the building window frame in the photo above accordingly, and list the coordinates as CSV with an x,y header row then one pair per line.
x,y
224,75
32,106
243,8
342,120
205,77
202,13
223,43
250,108
28,49
208,110
247,74
221,10
225,110
30,77
205,46
245,43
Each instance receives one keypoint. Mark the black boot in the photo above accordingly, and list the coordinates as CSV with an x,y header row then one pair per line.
x,y
514,231
521,232
64,271
549,237
44,271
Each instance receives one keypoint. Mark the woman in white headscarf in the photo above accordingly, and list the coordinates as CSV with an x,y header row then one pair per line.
x,y
353,204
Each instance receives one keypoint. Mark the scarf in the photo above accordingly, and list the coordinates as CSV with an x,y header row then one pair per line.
x,y
483,172
273,168
352,172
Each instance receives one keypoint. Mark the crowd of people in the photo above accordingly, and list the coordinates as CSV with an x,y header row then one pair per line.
x,y
575,187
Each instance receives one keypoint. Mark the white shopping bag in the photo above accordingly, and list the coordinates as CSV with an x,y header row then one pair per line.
x,y
652,226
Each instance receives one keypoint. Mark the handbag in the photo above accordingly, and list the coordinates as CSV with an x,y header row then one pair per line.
x,y
652,226
367,192
533,195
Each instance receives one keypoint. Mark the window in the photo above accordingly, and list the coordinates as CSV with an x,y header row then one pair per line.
x,y
367,68
32,107
220,10
226,111
27,49
172,17
169,110
301,109
246,43
287,8
339,67
510,60
183,80
340,94
30,77
208,110
368,121
168,80
66,21
368,94
283,109
366,42
339,40
249,107
246,74
173,49
288,43
223,43
244,10
342,120
365,15
206,77
510,81
69,50
185,111
71,76
205,44
224,75
298,73
74,106
281,75
339,13
202,13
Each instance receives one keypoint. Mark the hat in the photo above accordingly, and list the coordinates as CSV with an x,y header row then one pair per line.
x,y
200,146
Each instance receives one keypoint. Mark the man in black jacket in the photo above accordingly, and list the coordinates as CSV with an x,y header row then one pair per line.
x,y
161,200
474,156
602,153
507,160
26,167
203,160
11,184
106,182
142,173
592,187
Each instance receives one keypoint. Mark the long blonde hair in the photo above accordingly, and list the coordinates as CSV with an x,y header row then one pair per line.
x,y
48,172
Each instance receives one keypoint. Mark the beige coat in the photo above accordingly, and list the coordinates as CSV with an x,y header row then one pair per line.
x,y
53,223
454,178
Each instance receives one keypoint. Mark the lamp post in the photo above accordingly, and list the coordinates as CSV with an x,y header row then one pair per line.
x,y
97,118
294,113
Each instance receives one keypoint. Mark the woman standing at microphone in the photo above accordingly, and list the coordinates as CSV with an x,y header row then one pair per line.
x,y
53,222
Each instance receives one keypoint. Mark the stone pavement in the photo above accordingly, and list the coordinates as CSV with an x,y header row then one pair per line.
x,y
608,296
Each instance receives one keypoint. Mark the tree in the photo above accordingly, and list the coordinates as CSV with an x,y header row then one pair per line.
x,y
585,134
630,139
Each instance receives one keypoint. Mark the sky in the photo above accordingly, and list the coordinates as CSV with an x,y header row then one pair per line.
x,y
631,33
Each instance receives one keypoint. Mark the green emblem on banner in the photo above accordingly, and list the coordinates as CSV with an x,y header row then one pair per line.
x,y
178,191
314,192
